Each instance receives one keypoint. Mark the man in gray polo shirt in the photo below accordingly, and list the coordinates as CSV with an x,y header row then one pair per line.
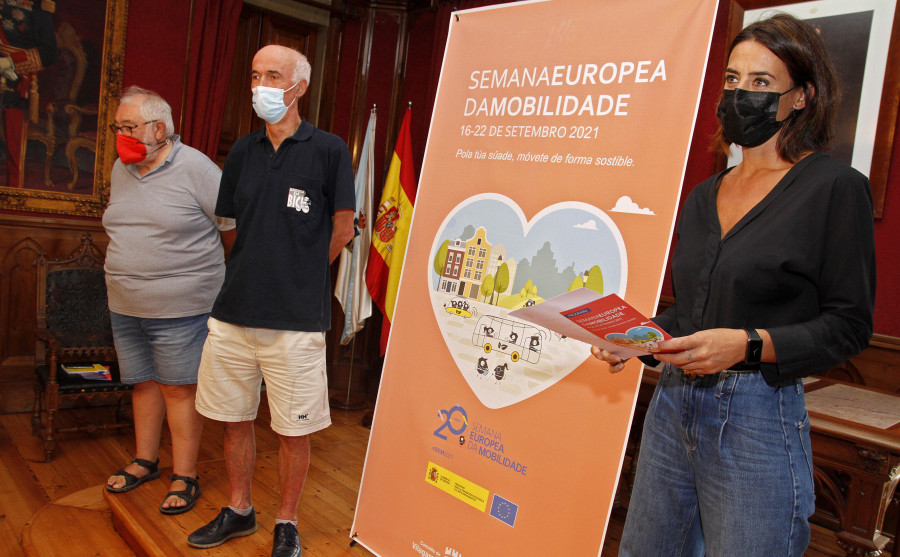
x,y
164,266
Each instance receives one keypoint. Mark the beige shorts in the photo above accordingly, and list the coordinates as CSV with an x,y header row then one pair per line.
x,y
236,359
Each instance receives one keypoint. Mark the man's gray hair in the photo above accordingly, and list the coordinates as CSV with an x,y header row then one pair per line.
x,y
152,107
302,70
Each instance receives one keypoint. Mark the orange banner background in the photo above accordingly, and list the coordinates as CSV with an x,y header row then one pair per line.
x,y
569,435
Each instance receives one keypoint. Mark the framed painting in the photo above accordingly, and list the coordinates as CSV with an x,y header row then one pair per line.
x,y
55,149
860,37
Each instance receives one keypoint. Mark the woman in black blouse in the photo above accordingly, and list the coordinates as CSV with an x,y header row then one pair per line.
x,y
774,280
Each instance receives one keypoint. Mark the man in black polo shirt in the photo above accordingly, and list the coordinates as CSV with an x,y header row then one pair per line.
x,y
289,186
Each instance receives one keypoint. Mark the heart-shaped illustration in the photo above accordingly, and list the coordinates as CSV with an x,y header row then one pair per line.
x,y
488,259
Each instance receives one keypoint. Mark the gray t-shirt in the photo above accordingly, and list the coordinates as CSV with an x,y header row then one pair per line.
x,y
165,258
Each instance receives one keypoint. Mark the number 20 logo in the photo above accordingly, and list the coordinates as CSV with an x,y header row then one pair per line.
x,y
455,420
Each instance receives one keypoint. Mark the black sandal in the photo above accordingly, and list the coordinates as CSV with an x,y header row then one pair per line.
x,y
132,481
189,495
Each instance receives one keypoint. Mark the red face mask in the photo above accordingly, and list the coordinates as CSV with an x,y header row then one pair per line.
x,y
130,150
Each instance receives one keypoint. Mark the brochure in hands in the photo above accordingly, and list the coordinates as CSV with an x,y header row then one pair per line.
x,y
605,321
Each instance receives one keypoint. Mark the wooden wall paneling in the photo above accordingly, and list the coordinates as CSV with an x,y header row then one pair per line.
x,y
878,366
360,102
257,28
398,103
18,297
238,116
357,367
285,31
21,238
348,364
335,39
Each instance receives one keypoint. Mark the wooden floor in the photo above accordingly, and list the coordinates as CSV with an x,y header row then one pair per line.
x,y
63,500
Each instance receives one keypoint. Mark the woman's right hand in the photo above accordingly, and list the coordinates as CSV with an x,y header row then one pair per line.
x,y
616,362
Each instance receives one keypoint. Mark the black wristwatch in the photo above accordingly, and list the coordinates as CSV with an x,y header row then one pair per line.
x,y
754,347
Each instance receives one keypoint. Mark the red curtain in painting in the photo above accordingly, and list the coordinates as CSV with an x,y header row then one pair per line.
x,y
213,28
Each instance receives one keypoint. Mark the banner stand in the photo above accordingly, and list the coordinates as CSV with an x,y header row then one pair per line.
x,y
554,163
352,402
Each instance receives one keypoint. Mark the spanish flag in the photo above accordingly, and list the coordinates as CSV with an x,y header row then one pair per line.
x,y
391,230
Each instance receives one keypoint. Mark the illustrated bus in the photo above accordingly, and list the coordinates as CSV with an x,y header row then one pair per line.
x,y
520,341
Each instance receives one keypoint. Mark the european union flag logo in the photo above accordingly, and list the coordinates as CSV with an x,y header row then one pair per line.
x,y
503,510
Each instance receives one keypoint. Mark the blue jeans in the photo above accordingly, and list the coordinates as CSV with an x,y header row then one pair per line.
x,y
166,350
725,468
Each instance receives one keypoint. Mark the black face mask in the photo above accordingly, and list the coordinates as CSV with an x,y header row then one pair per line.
x,y
749,118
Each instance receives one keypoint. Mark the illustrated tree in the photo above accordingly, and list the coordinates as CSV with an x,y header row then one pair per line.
x,y
487,287
501,283
595,279
577,283
441,257
528,290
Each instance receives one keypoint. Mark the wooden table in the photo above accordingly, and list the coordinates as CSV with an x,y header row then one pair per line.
x,y
855,434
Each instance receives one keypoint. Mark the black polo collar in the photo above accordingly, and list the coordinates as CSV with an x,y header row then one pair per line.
x,y
304,133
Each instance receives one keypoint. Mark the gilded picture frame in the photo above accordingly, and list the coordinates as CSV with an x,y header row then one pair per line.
x,y
86,200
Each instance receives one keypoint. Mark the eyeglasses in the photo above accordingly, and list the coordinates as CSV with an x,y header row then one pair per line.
x,y
128,130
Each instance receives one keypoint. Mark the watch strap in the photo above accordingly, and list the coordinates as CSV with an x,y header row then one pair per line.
x,y
754,347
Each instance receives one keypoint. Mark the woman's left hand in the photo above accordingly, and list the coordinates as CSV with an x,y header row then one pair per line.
x,y
616,362
704,352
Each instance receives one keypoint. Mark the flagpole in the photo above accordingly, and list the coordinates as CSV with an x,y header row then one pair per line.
x,y
353,314
352,402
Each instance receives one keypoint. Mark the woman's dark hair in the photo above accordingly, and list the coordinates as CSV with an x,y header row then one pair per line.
x,y
799,46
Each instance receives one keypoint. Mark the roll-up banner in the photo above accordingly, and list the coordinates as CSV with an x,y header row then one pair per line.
x,y
554,161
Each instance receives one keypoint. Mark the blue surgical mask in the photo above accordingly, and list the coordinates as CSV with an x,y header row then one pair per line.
x,y
268,102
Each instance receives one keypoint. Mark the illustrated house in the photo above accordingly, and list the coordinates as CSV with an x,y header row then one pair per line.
x,y
475,264
452,266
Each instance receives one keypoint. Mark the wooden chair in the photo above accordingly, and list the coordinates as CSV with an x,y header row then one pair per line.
x,y
73,326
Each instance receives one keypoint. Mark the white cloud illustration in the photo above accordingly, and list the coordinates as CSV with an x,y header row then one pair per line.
x,y
626,205
589,225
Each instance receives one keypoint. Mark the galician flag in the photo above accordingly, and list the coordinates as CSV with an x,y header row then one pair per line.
x,y
350,289
391,229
